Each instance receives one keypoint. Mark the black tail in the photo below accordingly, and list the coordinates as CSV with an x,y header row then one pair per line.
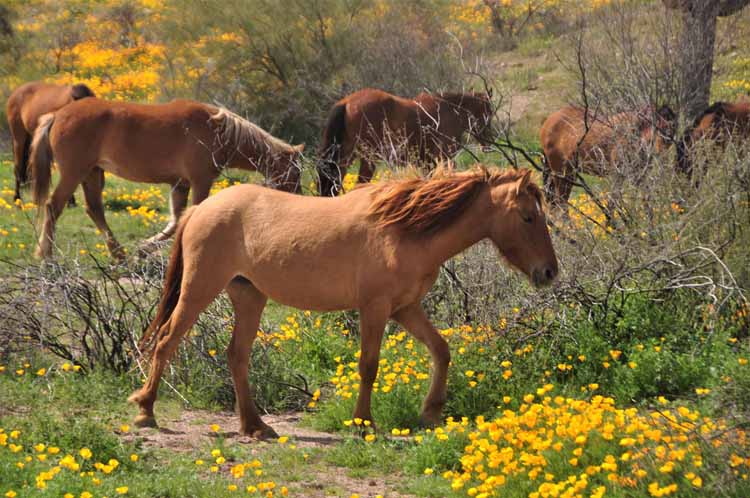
x,y
22,169
329,169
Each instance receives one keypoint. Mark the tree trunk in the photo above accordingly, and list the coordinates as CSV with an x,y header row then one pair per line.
x,y
696,53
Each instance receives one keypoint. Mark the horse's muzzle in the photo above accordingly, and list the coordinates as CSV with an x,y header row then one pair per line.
x,y
544,276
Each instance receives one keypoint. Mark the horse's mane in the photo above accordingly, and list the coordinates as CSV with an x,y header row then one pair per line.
x,y
236,130
423,206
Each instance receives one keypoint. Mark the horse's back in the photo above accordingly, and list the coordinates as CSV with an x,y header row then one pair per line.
x,y
560,128
270,237
139,142
31,100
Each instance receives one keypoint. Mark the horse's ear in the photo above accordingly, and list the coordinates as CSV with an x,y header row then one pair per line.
x,y
523,181
299,149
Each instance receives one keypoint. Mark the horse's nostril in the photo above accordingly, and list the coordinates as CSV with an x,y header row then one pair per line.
x,y
549,273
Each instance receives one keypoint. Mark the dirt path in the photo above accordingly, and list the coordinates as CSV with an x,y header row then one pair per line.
x,y
191,432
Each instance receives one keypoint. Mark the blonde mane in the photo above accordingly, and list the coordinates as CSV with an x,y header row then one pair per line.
x,y
236,131
423,206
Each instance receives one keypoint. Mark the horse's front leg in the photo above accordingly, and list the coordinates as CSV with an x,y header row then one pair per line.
x,y
414,320
248,305
372,326
177,203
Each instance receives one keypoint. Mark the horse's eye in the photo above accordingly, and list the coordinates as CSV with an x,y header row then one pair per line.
x,y
527,218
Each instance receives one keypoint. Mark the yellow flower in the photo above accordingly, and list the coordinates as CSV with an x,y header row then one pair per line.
x,y
283,439
85,453
215,428
124,428
428,471
370,438
41,372
121,490
133,457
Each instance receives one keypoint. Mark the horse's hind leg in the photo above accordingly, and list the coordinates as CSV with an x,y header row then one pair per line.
x,y
53,209
93,186
248,305
416,322
195,297
177,203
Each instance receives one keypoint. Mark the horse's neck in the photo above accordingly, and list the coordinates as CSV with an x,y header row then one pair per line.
x,y
467,230
250,155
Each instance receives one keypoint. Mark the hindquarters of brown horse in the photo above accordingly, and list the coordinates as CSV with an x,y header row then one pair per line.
x,y
25,106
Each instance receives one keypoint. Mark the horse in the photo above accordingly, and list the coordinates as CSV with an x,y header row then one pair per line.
x,y
718,124
185,144
25,106
573,142
372,122
377,249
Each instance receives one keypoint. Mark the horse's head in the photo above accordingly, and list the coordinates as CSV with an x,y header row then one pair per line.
x,y
519,229
287,167
659,126
475,113
480,119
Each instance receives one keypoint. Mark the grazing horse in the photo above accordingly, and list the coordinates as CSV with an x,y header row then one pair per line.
x,y
572,144
718,124
372,123
185,144
378,249
26,105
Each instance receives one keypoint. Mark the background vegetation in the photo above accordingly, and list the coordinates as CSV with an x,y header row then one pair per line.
x,y
629,377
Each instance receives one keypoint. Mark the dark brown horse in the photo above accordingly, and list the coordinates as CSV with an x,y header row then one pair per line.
x,y
576,142
374,124
183,143
718,125
25,106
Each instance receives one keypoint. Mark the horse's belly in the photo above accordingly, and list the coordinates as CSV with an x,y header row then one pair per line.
x,y
133,173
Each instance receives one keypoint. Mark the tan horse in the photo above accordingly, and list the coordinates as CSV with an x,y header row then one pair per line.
x,y
377,249
572,145
373,124
184,144
719,124
26,105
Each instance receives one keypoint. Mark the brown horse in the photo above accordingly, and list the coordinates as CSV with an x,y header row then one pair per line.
x,y
719,124
372,123
184,144
574,142
25,106
377,249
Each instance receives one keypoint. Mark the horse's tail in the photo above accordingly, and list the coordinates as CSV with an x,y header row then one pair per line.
x,y
170,294
330,150
21,171
40,160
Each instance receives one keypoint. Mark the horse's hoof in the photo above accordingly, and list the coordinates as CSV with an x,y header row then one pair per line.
x,y
430,420
145,421
262,433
